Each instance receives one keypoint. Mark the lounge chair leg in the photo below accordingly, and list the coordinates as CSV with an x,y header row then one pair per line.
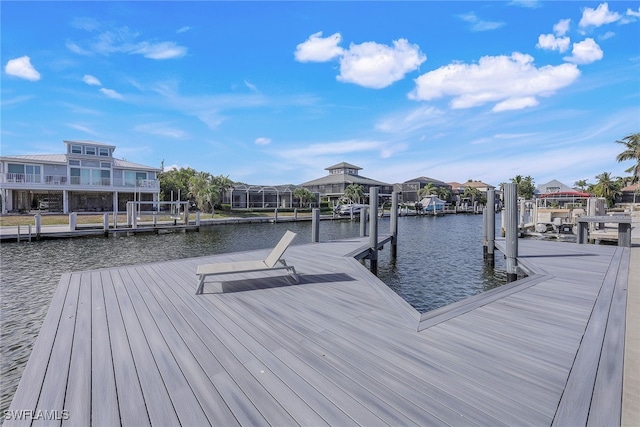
x,y
292,272
200,286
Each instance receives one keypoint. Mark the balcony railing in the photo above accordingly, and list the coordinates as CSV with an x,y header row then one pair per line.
x,y
56,180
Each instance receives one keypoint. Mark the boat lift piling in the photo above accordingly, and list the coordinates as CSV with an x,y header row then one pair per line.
x,y
511,230
363,221
394,224
491,227
315,225
373,230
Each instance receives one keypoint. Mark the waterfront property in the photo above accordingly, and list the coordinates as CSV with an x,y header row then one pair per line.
x,y
87,177
243,196
409,190
340,176
135,345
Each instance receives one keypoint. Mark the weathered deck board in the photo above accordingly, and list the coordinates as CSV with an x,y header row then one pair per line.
x,y
136,346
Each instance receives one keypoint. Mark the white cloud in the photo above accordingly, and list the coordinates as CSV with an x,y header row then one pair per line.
x,y
262,141
513,82
164,50
251,86
479,24
81,128
110,93
634,13
91,80
376,65
562,27
161,129
598,17
183,29
551,42
319,49
22,68
77,49
515,104
585,52
369,64
313,151
123,40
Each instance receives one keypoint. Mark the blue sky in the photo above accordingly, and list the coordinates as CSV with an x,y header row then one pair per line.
x,y
273,92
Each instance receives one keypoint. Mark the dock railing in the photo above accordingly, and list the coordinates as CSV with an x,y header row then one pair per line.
x,y
624,228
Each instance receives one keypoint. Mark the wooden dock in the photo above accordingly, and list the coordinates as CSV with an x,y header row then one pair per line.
x,y
135,346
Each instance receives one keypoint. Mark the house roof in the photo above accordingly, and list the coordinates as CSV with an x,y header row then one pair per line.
x,y
343,165
555,184
631,188
340,178
426,180
81,141
564,194
62,160
38,158
477,184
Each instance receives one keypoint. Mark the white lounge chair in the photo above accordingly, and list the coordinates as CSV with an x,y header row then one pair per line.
x,y
269,263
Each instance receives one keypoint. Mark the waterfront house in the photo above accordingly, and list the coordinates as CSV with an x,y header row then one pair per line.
x,y
557,193
87,177
409,189
340,177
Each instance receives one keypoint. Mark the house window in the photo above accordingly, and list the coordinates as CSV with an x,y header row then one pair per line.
x,y
90,151
103,151
105,165
74,162
76,149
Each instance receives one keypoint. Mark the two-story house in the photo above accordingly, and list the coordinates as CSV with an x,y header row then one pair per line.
x,y
87,177
340,176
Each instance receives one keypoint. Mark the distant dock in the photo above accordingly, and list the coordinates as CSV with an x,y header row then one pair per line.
x,y
136,346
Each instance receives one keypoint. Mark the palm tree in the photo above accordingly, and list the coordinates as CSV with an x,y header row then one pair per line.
x,y
443,193
354,192
427,190
606,187
202,189
631,152
304,195
472,192
581,184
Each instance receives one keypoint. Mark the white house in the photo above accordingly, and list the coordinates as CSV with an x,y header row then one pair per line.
x,y
86,178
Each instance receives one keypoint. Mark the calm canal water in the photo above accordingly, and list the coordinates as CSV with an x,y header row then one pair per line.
x,y
439,262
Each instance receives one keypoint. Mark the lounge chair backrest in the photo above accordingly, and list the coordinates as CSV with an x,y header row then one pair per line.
x,y
278,251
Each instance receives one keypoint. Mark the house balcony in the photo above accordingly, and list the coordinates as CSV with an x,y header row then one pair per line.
x,y
62,182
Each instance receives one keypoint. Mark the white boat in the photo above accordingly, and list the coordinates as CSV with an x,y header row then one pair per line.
x,y
347,210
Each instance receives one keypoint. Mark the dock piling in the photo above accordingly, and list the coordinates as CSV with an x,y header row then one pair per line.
x,y
105,224
363,221
511,229
315,225
491,226
394,225
373,230
38,220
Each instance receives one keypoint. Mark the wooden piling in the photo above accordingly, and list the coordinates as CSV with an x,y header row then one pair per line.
x,y
38,220
363,221
511,230
105,224
315,225
484,233
373,230
491,227
394,224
